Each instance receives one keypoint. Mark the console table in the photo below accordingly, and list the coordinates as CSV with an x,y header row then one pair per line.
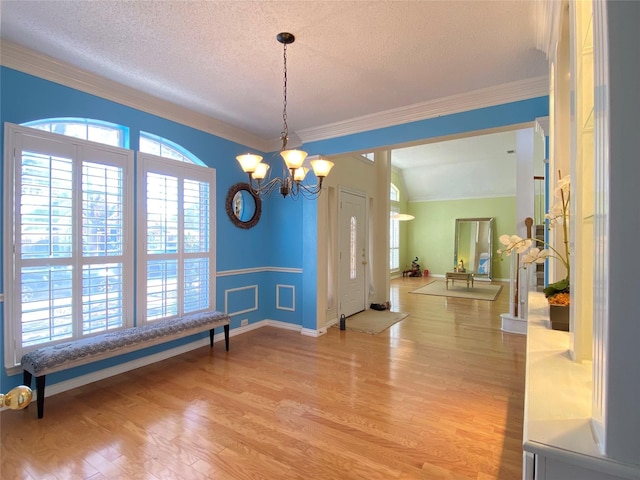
x,y
453,276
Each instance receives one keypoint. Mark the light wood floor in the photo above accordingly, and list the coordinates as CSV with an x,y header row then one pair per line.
x,y
437,396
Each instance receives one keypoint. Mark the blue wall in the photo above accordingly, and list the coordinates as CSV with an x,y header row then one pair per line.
x,y
284,242
457,123
25,98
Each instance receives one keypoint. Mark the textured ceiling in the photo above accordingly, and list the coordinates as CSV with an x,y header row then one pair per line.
x,y
351,60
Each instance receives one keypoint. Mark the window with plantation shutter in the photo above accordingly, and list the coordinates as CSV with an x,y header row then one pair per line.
x,y
71,223
70,270
176,220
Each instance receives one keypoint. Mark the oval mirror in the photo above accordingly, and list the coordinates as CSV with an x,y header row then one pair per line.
x,y
243,206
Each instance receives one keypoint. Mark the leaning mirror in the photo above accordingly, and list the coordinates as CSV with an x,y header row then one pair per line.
x,y
243,206
473,250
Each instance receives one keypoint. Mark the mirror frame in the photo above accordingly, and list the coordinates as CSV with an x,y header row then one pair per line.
x,y
476,275
233,190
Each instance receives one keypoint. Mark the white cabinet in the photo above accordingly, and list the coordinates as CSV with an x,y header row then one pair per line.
x,y
550,468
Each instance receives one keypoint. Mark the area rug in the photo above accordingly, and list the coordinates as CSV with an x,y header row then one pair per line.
x,y
479,291
373,321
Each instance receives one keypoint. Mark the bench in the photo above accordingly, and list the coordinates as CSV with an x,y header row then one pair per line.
x,y
55,358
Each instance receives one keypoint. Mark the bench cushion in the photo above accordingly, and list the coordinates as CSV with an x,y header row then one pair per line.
x,y
79,352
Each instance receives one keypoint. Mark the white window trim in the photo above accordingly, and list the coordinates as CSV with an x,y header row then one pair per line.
x,y
13,135
151,163
394,209
123,132
187,156
12,349
393,189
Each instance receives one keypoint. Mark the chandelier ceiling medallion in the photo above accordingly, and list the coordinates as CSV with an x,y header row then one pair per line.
x,y
294,168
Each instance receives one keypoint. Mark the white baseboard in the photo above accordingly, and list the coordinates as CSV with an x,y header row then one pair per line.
x,y
511,324
309,332
279,324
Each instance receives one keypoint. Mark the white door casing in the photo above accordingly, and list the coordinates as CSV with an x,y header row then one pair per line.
x,y
353,253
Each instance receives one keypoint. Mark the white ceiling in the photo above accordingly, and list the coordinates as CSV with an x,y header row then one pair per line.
x,y
351,59
471,167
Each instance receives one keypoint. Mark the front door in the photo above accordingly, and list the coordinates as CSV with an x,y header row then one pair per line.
x,y
353,253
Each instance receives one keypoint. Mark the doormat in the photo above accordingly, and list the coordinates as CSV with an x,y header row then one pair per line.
x,y
477,292
373,321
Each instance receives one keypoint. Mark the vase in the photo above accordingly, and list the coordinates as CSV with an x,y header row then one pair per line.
x,y
559,316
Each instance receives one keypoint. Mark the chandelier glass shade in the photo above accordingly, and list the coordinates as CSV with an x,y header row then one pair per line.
x,y
296,163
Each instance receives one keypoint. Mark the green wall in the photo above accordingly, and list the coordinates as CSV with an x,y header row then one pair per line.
x,y
431,235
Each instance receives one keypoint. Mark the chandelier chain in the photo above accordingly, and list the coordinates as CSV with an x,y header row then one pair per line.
x,y
285,131
294,168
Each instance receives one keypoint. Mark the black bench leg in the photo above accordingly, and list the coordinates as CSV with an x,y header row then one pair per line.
x,y
26,378
226,337
40,388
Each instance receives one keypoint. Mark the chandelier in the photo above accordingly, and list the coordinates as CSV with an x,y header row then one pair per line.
x,y
294,169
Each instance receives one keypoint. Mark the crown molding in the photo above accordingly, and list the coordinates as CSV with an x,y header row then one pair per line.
x,y
28,61
549,14
542,125
543,26
486,97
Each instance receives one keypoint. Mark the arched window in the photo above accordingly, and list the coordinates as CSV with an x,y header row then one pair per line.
x,y
73,231
161,147
85,128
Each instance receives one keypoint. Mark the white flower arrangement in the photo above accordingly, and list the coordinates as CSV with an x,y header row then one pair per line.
x,y
558,215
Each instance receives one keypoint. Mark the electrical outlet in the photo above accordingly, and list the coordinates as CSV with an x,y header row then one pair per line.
x,y
244,322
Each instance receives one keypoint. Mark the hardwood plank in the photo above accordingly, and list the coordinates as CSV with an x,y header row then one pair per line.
x,y
438,395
